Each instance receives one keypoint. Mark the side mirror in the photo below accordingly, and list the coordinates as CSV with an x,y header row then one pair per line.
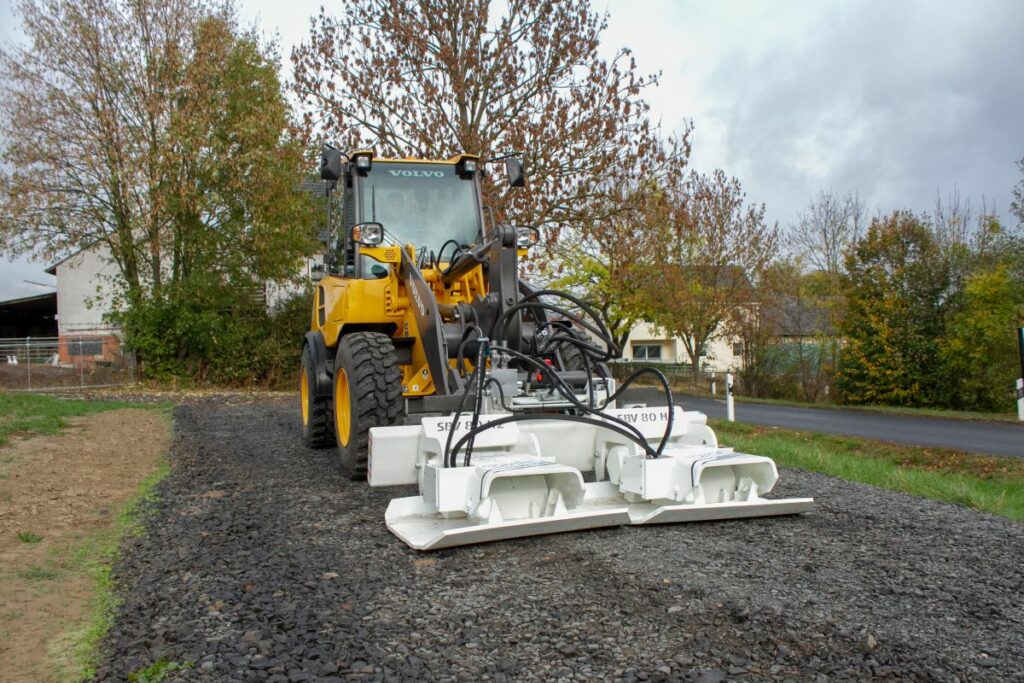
x,y
367,234
330,163
526,236
516,172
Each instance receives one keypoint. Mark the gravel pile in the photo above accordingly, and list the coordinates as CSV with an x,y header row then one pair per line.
x,y
261,563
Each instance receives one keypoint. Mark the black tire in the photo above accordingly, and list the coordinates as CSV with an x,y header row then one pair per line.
x,y
572,357
317,412
367,369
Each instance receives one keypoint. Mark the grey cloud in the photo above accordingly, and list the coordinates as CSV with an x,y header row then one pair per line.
x,y
893,100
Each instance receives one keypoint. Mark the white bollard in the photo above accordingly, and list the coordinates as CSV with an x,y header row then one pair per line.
x,y
1020,400
730,410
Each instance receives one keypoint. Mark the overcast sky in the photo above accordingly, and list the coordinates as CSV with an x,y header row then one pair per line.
x,y
895,100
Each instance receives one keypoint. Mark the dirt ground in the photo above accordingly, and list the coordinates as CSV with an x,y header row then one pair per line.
x,y
65,489
45,376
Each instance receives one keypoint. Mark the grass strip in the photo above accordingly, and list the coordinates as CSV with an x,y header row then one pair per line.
x,y
26,414
95,555
942,413
989,483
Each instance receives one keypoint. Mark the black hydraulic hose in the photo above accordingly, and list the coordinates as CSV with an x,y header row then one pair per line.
x,y
583,305
480,361
602,332
669,402
459,358
566,392
640,441
505,318
585,357
455,420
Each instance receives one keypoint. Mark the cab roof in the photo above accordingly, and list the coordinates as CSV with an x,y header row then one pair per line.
x,y
412,160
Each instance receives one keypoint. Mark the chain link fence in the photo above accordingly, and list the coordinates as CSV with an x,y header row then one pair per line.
x,y
39,363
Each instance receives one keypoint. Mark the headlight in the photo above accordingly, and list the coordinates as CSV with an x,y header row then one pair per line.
x,y
526,236
368,234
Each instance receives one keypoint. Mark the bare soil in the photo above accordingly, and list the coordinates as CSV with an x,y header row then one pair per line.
x,y
64,489
46,376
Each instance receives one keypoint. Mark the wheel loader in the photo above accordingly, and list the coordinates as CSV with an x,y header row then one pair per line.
x,y
429,362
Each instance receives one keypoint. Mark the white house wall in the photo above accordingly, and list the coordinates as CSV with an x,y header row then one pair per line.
x,y
720,356
85,292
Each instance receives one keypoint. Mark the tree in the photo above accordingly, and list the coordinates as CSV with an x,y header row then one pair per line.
x,y
159,131
821,238
440,77
980,347
1017,206
894,299
825,230
597,263
699,280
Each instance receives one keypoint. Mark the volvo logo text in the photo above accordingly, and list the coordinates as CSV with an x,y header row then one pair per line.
x,y
417,174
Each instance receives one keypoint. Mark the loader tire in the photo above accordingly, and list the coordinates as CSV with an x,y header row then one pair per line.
x,y
367,393
572,357
317,411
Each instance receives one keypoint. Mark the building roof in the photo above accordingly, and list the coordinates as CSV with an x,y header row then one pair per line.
x,y
795,317
52,270
36,301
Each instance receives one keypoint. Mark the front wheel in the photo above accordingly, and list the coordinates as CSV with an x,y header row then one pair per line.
x,y
367,393
317,411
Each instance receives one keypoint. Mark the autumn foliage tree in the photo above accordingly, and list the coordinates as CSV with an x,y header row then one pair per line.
x,y
440,77
698,282
894,315
159,132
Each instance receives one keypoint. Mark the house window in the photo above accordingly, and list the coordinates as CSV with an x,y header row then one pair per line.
x,y
85,347
646,351
737,349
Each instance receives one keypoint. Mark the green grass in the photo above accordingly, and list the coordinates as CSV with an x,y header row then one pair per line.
x,y
95,555
27,414
29,537
892,410
36,573
157,671
989,483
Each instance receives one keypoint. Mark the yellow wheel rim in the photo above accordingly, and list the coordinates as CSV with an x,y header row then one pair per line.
x,y
304,392
342,407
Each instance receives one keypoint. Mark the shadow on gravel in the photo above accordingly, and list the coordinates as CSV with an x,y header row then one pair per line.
x,y
262,563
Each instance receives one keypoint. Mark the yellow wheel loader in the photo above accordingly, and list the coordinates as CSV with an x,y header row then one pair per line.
x,y
430,362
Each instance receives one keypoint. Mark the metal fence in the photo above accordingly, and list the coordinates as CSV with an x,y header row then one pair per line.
x,y
679,375
38,363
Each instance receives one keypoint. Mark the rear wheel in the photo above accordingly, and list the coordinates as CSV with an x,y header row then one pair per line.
x,y
367,393
317,412
572,358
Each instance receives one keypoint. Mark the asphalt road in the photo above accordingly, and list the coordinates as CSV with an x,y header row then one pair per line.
x,y
973,436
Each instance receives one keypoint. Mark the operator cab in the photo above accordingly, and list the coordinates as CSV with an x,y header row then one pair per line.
x,y
428,204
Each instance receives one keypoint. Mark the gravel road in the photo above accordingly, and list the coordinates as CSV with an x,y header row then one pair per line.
x,y
261,563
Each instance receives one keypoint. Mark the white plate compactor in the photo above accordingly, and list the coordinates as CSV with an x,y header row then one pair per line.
x,y
505,475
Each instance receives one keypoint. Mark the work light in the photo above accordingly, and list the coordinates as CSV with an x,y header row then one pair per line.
x,y
526,236
368,234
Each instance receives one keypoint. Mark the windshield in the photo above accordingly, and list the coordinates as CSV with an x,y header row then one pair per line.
x,y
421,204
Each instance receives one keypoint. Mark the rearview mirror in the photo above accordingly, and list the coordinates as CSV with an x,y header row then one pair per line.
x,y
516,172
330,163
